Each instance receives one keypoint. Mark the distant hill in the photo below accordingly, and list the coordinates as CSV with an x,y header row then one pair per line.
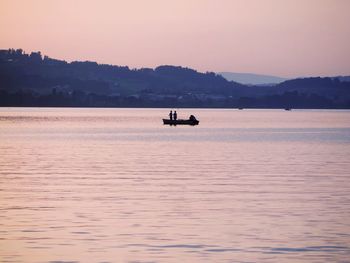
x,y
33,80
251,79
343,78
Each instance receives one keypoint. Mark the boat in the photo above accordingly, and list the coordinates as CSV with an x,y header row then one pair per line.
x,y
180,122
288,109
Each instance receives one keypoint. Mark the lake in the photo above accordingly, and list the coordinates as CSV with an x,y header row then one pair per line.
x,y
116,185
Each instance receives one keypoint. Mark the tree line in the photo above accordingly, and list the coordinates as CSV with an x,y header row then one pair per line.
x,y
36,80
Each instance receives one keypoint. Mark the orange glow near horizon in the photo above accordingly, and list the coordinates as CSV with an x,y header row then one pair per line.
x,y
287,38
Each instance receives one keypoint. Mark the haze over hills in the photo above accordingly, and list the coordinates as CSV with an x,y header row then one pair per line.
x,y
252,79
34,80
343,78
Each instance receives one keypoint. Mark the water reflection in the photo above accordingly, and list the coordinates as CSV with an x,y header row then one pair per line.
x,y
115,185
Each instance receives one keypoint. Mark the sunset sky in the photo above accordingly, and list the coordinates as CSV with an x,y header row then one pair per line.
x,y
287,38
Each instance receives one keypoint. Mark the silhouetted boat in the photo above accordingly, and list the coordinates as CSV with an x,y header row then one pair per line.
x,y
287,109
180,122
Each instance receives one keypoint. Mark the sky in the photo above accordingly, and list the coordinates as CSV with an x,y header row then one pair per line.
x,y
287,38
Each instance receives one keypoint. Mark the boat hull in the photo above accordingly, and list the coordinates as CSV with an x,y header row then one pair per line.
x,y
180,122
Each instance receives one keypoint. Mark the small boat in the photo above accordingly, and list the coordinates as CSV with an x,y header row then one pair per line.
x,y
288,109
180,122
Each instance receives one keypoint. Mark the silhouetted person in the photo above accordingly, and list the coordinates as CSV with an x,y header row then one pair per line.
x,y
175,115
171,115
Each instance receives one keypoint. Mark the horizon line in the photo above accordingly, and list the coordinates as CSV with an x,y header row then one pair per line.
x,y
182,66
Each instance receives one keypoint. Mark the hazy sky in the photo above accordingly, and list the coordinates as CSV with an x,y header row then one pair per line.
x,y
280,37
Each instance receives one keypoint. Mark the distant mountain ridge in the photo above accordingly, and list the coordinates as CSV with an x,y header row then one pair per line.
x,y
33,80
343,78
264,80
252,79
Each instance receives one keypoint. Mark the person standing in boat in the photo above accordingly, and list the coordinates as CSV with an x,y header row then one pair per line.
x,y
171,115
175,115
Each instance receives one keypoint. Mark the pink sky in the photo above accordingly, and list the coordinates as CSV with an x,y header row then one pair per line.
x,y
287,38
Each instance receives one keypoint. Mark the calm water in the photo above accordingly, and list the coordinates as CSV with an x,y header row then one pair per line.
x,y
115,185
